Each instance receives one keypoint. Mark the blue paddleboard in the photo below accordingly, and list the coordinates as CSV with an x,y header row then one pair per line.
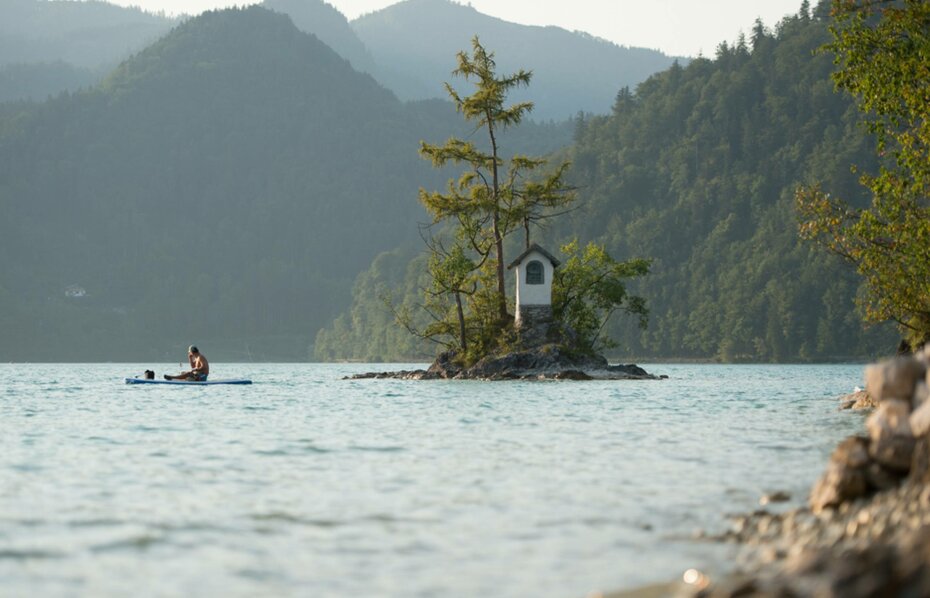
x,y
187,382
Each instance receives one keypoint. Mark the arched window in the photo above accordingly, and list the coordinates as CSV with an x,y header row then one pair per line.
x,y
535,273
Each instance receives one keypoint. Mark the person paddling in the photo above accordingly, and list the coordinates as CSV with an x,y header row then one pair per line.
x,y
200,367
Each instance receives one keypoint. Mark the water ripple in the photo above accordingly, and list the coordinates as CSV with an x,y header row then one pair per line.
x,y
140,542
377,449
471,489
295,519
26,555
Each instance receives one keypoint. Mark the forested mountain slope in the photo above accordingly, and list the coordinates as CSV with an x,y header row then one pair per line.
x,y
572,71
223,186
697,169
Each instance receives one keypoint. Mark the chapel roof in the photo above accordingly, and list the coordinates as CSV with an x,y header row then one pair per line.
x,y
531,249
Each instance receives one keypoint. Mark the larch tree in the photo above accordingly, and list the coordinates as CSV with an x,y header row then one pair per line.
x,y
493,196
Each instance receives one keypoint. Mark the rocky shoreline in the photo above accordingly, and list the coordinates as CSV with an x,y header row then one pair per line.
x,y
547,362
866,529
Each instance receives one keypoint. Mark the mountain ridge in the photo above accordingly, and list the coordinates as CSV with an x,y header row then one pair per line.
x,y
573,72
328,24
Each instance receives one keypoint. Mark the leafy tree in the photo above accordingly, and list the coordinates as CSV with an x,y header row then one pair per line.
x,y
883,50
590,287
452,274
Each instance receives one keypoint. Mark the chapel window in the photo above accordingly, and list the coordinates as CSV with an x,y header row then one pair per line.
x,y
535,273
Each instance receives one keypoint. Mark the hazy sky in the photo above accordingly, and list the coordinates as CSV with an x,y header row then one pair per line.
x,y
677,27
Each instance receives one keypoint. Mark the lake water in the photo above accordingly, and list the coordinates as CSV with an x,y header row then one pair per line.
x,y
305,484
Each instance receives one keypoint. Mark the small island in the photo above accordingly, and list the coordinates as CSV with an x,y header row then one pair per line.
x,y
559,310
542,346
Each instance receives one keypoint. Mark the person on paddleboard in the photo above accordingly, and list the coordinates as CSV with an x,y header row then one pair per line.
x,y
200,367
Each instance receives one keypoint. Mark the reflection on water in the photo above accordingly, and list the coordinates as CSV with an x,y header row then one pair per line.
x,y
308,484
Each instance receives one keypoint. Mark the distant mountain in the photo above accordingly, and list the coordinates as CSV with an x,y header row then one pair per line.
x,y
225,186
50,46
328,24
38,81
88,34
572,71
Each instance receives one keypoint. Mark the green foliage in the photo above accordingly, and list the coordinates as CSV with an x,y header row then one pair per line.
x,y
47,48
589,287
368,330
452,274
883,51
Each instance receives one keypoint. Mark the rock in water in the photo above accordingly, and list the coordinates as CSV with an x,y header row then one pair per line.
x,y
857,400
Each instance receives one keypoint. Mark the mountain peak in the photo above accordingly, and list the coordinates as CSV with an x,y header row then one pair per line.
x,y
573,71
329,25
220,45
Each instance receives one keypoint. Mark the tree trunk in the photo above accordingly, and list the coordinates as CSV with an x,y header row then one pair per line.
x,y
461,315
498,238
501,288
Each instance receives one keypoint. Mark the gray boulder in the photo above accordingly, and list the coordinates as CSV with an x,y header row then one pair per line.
x,y
844,478
891,442
894,378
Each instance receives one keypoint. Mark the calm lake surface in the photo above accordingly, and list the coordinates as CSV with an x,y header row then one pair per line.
x,y
305,484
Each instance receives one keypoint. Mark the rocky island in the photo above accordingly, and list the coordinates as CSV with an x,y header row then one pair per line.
x,y
546,362
534,344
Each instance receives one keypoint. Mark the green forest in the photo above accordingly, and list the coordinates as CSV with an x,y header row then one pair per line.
x,y
238,184
697,170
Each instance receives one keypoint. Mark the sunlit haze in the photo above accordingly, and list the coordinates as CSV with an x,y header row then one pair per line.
x,y
676,27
